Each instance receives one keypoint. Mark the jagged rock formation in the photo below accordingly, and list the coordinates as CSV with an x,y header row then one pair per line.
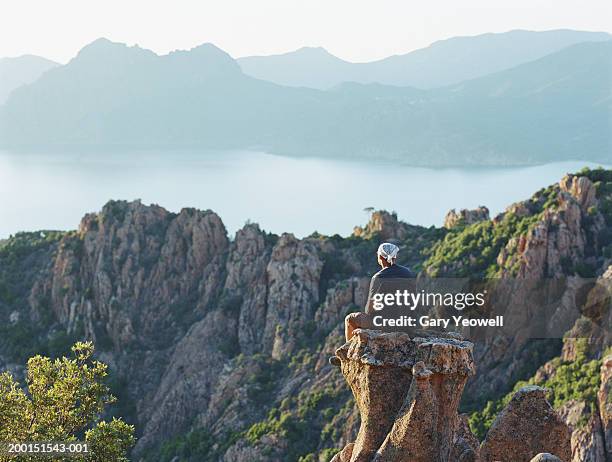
x,y
558,236
595,319
169,301
465,217
408,392
588,419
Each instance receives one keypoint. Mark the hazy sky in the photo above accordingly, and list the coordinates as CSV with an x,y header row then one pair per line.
x,y
356,30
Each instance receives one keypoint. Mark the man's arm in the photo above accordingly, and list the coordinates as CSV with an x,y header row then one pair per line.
x,y
374,288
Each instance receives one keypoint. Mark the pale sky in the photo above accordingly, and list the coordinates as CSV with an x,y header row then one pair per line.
x,y
356,30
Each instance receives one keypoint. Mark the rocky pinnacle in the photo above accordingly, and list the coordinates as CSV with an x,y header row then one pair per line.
x,y
408,392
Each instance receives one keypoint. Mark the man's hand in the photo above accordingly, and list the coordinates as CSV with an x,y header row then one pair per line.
x,y
355,321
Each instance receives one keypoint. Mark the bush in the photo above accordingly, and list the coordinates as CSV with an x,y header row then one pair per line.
x,y
64,400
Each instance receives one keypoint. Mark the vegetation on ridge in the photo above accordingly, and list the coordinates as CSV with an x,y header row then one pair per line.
x,y
570,380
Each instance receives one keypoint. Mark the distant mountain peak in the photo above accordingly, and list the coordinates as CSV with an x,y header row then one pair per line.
x,y
102,43
205,58
527,34
104,48
207,46
99,46
209,50
305,51
308,49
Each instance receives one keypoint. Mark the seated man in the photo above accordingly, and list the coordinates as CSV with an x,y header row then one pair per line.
x,y
386,256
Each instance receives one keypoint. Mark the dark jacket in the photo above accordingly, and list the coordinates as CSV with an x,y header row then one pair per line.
x,y
388,280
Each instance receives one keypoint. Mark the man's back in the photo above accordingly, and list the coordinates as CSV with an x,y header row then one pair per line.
x,y
395,271
389,280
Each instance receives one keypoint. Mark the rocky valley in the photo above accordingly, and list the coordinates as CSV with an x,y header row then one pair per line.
x,y
218,345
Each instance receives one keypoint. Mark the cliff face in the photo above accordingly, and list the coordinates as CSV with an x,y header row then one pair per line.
x,y
563,236
228,339
171,303
132,272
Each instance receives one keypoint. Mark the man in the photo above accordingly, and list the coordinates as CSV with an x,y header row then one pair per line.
x,y
389,278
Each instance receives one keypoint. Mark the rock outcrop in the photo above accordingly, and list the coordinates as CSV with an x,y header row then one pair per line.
x,y
558,239
465,217
408,392
525,428
383,225
293,275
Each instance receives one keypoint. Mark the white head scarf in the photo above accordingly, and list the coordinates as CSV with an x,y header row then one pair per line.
x,y
388,251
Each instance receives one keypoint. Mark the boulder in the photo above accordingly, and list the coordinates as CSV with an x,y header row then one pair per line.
x,y
527,426
545,457
408,390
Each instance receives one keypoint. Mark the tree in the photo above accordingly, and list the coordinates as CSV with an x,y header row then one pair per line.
x,y
63,403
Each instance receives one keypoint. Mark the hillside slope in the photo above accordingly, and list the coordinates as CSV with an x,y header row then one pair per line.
x,y
15,72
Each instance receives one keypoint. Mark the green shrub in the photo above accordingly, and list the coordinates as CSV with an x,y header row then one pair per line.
x,y
301,421
329,453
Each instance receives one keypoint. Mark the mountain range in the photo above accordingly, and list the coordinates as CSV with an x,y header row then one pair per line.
x,y
443,63
112,96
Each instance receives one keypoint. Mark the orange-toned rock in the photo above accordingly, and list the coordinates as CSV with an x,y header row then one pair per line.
x,y
408,391
527,426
